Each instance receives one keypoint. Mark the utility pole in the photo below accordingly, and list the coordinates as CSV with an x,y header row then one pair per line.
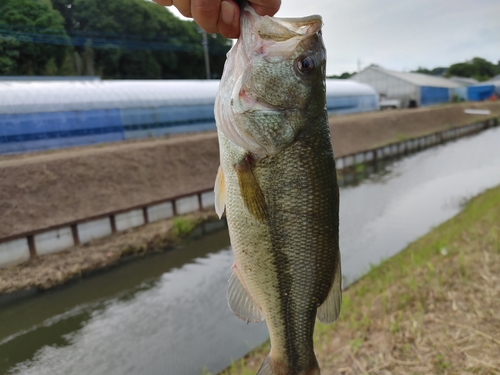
x,y
205,48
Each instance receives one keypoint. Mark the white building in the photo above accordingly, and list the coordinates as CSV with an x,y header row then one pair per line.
x,y
411,89
464,81
495,81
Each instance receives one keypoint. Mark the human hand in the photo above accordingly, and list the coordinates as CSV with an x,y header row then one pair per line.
x,y
220,16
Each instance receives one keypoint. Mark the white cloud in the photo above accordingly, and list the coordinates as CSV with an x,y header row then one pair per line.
x,y
403,35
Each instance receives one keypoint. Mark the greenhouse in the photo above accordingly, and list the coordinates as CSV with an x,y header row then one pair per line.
x,y
37,115
346,96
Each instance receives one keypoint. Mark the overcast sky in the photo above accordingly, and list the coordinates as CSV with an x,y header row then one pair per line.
x,y
403,34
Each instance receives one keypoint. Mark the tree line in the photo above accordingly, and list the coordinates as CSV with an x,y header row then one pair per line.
x,y
114,39
477,68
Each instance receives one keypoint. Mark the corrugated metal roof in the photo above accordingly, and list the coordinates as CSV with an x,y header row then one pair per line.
x,y
344,87
55,96
494,81
418,78
464,81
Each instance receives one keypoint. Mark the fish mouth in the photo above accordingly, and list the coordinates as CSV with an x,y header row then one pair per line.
x,y
246,102
274,36
271,39
280,29
263,94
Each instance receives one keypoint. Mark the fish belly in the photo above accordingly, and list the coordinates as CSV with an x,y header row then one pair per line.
x,y
287,262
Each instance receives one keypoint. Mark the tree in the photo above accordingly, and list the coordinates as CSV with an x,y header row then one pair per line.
x,y
477,68
136,39
344,75
439,71
22,24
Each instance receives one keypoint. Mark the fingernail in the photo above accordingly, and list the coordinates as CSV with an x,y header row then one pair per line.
x,y
227,12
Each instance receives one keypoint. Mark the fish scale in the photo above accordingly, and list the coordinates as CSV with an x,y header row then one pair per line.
x,y
277,184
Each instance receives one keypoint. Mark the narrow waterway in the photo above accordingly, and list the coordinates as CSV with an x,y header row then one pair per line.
x,y
167,313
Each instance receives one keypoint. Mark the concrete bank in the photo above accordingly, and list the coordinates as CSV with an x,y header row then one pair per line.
x,y
22,247
54,201
55,269
405,146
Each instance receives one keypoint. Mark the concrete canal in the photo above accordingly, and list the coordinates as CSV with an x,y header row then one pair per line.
x,y
167,314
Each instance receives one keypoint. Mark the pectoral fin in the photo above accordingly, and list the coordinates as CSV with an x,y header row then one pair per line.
x,y
240,301
253,198
220,193
329,311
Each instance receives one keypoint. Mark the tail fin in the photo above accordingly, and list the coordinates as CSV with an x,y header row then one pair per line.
x,y
270,367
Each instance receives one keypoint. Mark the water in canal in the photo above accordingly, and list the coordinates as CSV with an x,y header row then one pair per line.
x,y
167,313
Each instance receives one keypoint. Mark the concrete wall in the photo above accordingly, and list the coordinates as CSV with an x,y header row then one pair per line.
x,y
91,230
53,241
160,211
187,204
129,220
14,252
59,239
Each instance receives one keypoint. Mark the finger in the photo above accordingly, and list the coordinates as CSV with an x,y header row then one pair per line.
x,y
206,14
229,19
183,6
165,3
266,7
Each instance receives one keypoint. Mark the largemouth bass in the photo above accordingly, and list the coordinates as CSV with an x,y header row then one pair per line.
x,y
277,183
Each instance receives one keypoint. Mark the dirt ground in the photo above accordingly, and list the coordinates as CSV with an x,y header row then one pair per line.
x,y
359,132
38,190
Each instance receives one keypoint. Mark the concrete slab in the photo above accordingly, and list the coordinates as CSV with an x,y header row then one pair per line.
x,y
187,204
160,211
208,199
94,229
340,163
14,252
53,241
129,219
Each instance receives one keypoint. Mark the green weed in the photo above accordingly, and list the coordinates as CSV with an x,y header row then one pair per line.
x,y
440,363
182,226
358,167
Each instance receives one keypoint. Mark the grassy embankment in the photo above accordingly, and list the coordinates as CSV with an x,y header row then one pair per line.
x,y
432,309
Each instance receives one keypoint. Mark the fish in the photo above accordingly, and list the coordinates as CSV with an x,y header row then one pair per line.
x,y
277,185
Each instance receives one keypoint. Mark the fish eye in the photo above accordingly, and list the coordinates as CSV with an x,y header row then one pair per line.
x,y
305,64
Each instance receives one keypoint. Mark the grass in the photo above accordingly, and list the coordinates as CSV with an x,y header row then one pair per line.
x,y
182,226
433,308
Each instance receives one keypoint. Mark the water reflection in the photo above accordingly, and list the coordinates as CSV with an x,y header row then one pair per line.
x,y
167,314
158,315
385,212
